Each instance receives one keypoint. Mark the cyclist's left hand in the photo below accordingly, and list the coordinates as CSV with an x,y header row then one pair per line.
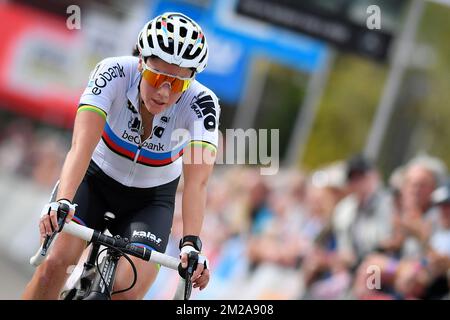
x,y
201,275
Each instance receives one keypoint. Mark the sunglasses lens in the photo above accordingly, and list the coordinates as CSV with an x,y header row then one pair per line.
x,y
150,77
177,85
156,80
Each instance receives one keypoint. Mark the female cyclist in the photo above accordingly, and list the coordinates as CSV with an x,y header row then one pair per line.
x,y
141,122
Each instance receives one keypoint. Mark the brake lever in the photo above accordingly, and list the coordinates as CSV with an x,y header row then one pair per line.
x,y
186,273
63,211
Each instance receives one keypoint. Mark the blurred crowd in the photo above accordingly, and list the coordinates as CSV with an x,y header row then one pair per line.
x,y
335,233
32,151
339,232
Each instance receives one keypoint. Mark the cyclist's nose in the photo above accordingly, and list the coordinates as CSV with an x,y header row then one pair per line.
x,y
164,91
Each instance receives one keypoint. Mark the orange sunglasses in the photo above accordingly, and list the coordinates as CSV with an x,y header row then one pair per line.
x,y
157,78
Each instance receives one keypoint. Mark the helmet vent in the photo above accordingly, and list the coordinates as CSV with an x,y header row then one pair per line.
x,y
183,32
204,56
150,42
186,53
197,52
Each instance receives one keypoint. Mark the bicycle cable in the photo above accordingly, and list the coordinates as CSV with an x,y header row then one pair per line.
x,y
134,273
121,254
100,272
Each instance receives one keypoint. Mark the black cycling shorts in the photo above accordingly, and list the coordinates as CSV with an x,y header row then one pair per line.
x,y
143,215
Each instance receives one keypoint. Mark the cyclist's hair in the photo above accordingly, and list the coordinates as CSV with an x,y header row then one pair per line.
x,y
135,51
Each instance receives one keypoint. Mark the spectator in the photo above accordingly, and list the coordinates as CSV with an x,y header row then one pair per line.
x,y
417,219
438,254
412,268
257,206
318,242
362,219
359,223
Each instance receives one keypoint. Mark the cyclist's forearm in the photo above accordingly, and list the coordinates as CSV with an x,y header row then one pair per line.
x,y
196,176
194,200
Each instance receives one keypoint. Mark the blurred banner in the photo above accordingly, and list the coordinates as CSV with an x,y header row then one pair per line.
x,y
37,58
44,65
343,23
236,42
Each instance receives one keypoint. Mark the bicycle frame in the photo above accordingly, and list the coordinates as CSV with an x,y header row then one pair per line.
x,y
82,286
89,285
102,287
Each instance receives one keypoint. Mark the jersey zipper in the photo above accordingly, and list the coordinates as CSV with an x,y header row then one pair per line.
x,y
133,166
138,151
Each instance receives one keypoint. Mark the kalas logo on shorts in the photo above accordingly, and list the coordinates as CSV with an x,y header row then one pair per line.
x,y
150,236
102,79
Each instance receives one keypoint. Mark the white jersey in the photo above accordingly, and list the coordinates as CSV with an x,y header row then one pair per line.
x,y
113,91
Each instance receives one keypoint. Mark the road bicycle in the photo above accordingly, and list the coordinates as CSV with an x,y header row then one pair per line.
x,y
97,279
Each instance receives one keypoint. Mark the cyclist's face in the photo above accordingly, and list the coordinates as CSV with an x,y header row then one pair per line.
x,y
157,99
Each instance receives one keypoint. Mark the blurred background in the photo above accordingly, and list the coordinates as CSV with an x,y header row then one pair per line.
x,y
362,111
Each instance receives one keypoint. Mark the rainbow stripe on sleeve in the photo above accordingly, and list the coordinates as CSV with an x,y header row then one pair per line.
x,y
203,144
97,110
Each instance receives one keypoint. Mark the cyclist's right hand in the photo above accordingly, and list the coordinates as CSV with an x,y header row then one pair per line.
x,y
49,220
201,275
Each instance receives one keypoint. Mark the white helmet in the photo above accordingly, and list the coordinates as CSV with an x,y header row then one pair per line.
x,y
176,39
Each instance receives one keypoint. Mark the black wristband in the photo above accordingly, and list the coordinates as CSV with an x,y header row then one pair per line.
x,y
196,242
